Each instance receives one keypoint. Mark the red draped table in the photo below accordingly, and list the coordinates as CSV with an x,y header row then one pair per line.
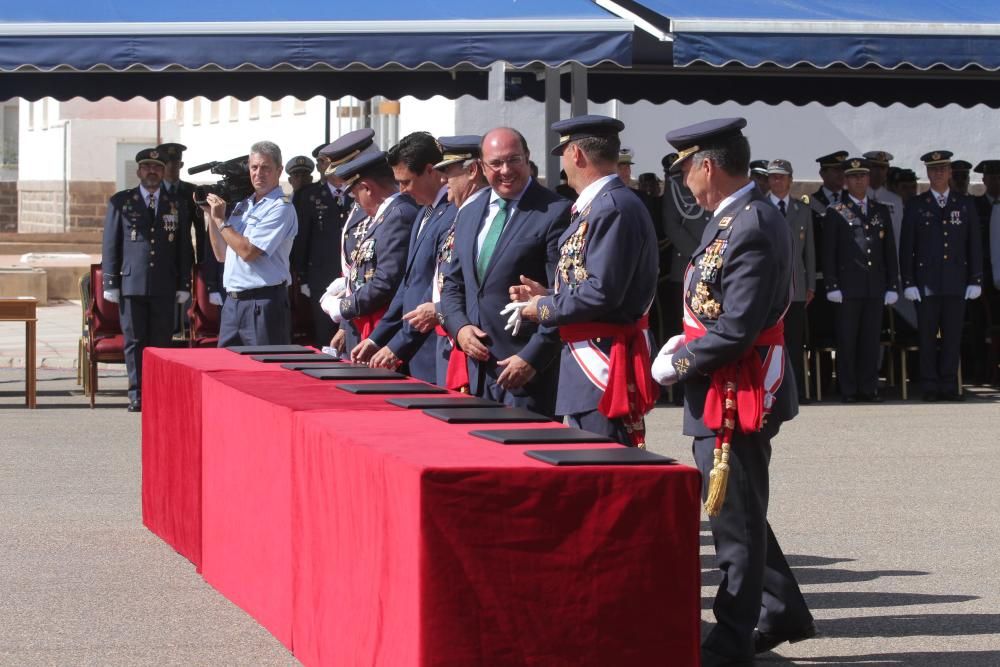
x,y
361,533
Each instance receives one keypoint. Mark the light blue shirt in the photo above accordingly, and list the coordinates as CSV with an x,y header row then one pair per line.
x,y
270,225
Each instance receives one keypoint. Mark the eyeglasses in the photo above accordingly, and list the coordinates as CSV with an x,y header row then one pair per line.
x,y
514,161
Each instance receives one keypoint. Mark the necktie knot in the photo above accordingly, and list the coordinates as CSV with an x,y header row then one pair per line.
x,y
781,206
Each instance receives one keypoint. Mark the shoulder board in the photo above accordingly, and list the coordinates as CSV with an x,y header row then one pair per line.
x,y
804,199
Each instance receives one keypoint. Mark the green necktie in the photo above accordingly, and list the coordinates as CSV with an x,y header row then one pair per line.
x,y
492,236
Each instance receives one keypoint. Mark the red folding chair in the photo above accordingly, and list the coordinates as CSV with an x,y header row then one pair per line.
x,y
205,316
105,341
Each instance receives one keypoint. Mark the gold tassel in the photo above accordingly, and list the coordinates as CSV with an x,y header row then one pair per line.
x,y
717,481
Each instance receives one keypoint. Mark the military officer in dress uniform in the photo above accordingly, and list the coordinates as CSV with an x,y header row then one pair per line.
x,y
463,171
625,163
800,222
941,262
731,357
379,246
604,284
403,335
299,170
859,266
878,165
759,175
146,261
322,210
820,311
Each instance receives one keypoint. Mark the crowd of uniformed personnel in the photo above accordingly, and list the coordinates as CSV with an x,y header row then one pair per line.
x,y
861,241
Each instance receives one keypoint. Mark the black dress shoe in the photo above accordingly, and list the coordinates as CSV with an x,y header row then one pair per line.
x,y
952,396
871,398
765,641
850,399
135,406
804,401
930,396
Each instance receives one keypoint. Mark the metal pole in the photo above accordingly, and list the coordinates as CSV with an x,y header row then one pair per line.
x,y
551,115
578,97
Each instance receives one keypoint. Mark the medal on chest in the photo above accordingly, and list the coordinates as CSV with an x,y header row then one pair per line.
x,y
956,218
711,262
571,269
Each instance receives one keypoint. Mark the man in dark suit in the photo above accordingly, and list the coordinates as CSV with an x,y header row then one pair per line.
x,y
800,221
941,262
404,333
146,263
859,267
758,174
732,360
512,231
381,243
985,312
604,285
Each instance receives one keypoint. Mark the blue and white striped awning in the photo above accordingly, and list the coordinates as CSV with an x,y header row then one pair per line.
x,y
889,34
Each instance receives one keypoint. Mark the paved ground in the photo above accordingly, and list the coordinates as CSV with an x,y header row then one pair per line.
x,y
888,514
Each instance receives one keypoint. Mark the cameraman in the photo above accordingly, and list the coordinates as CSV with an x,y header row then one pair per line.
x,y
255,243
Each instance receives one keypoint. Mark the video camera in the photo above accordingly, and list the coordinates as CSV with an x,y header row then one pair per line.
x,y
233,186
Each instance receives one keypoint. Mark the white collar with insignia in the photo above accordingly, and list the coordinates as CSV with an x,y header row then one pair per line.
x,y
588,193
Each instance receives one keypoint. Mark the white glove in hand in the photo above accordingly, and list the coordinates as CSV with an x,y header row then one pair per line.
x,y
306,292
215,298
513,309
338,287
332,351
182,296
672,345
912,293
663,369
835,296
891,298
973,291
112,295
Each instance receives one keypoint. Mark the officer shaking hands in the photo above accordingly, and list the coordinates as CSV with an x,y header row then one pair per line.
x,y
146,262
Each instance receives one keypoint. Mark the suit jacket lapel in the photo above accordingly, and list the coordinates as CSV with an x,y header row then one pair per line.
x,y
521,216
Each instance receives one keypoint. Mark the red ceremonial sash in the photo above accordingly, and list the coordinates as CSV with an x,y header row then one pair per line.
x,y
748,375
457,375
366,323
631,391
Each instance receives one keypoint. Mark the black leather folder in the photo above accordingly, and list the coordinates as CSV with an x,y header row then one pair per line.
x,y
363,373
535,436
616,456
393,388
272,349
424,402
298,358
304,363
485,415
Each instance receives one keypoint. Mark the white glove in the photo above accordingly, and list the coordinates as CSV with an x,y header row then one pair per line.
x,y
513,309
835,296
331,306
306,292
112,295
912,293
215,298
973,291
338,287
332,351
672,345
663,369
182,296
891,297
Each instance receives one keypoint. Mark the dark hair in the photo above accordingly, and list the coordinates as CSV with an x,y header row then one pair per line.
x,y
534,169
520,137
415,151
600,149
731,155
382,174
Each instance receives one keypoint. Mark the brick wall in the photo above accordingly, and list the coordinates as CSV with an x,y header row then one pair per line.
x,y
8,206
40,205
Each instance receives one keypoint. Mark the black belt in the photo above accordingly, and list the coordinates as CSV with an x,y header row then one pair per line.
x,y
255,293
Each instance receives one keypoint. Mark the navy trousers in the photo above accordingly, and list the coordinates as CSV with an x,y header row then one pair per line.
x,y
266,320
147,321
939,368
758,588
594,422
